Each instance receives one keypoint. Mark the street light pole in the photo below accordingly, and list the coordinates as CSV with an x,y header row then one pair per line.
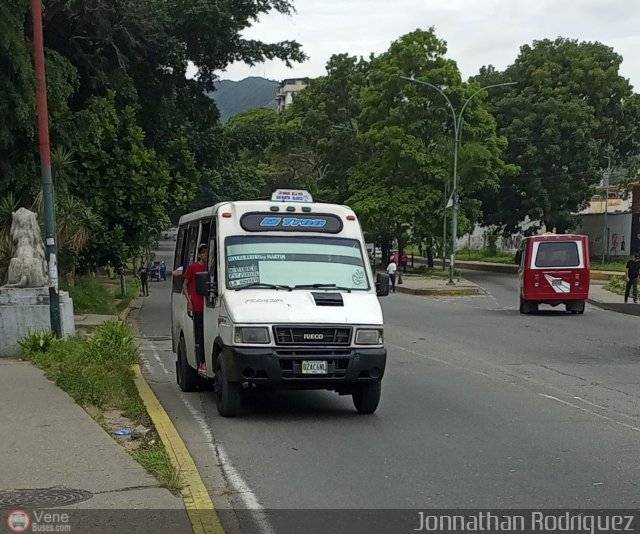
x,y
45,160
457,132
605,236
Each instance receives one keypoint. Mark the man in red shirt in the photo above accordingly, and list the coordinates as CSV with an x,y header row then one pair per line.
x,y
195,303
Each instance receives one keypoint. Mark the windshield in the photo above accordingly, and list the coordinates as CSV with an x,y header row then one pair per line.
x,y
295,261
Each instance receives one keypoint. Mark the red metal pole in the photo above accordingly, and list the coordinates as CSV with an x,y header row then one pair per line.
x,y
45,160
41,83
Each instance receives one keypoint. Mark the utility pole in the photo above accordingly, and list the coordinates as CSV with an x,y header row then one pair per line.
x,y
45,161
605,232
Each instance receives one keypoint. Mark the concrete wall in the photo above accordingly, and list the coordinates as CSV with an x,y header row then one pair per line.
x,y
478,239
26,310
618,238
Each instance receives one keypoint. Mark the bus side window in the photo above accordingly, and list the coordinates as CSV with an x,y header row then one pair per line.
x,y
213,259
179,258
192,243
204,231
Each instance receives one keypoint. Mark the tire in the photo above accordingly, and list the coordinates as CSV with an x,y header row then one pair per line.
x,y
528,306
367,397
576,307
186,376
228,394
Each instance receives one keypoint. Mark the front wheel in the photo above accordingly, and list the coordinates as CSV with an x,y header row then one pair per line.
x,y
366,397
228,394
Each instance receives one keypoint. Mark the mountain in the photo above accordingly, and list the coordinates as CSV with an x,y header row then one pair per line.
x,y
254,92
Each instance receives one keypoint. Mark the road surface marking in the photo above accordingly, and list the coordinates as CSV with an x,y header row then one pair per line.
x,y
607,418
438,360
200,508
232,476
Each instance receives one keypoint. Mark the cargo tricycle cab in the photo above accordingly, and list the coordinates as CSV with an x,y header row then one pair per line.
x,y
554,270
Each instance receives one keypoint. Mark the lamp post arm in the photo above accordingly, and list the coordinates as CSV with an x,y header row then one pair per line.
x,y
464,106
444,95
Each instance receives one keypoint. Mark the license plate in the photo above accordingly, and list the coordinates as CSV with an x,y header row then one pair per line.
x,y
314,367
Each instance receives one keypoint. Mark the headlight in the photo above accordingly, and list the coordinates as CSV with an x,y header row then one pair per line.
x,y
369,337
252,334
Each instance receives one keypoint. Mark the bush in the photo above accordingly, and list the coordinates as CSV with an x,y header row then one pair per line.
x,y
617,285
36,342
96,371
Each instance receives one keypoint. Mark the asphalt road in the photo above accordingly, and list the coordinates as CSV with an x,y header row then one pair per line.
x,y
482,408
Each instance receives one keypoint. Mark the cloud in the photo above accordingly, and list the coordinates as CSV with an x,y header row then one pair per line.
x,y
477,33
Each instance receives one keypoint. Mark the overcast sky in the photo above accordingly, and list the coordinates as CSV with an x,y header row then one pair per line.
x,y
478,32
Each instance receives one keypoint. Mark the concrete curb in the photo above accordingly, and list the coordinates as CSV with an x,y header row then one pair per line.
x,y
513,269
200,509
124,314
618,307
466,291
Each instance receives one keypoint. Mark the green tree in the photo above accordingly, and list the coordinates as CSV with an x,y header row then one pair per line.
x,y
126,185
407,135
569,111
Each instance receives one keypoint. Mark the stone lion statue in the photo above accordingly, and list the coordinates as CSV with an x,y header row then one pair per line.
x,y
28,266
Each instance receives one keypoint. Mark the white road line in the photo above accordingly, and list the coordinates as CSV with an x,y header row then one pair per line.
x,y
157,357
533,381
248,498
444,362
605,408
234,478
575,406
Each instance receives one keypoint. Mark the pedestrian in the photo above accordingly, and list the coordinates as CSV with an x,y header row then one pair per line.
x,y
195,303
632,271
144,281
392,270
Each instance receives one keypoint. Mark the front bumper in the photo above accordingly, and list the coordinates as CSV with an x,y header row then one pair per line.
x,y
281,368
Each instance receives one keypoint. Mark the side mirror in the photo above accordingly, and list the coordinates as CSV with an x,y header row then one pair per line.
x,y
204,286
518,257
382,284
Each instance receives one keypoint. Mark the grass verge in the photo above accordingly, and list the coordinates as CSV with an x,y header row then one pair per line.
x,y
154,458
97,373
616,266
617,285
466,254
100,295
435,272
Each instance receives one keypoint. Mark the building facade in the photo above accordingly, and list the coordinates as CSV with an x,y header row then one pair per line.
x,y
287,90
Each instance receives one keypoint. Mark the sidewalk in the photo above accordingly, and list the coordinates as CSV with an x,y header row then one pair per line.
x,y
56,457
436,286
507,267
600,297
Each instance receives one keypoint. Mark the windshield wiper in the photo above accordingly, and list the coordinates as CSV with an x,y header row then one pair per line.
x,y
322,286
263,286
